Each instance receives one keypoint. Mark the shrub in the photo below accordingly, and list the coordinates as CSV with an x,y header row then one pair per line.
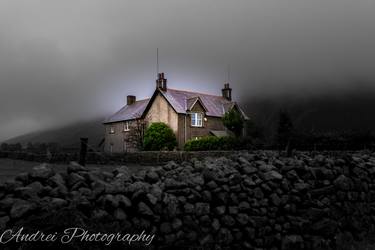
x,y
233,121
218,143
159,137
285,130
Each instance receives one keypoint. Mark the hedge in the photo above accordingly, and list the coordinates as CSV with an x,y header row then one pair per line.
x,y
218,143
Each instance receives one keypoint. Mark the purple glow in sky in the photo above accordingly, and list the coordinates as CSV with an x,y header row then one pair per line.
x,y
64,61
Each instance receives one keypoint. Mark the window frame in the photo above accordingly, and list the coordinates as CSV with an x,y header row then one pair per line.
x,y
126,126
195,117
112,130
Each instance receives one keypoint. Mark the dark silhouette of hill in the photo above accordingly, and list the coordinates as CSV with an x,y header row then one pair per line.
x,y
67,136
328,112
353,110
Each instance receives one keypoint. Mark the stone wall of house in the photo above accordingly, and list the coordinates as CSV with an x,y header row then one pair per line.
x,y
121,141
212,123
161,111
244,201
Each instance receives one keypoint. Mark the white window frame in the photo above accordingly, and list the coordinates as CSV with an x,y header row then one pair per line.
x,y
112,130
126,126
197,119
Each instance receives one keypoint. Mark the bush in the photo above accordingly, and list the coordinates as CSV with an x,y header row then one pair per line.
x,y
159,137
233,121
218,143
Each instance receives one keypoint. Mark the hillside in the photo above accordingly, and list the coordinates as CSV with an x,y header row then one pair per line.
x,y
352,111
330,112
67,136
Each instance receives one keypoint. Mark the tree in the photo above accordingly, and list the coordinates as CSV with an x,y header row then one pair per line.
x,y
284,131
140,128
4,146
30,147
158,136
15,147
234,122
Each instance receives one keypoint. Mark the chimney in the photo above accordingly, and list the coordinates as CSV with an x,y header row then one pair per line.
x,y
227,92
130,99
161,82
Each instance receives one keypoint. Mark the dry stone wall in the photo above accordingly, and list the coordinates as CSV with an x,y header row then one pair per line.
x,y
242,201
141,157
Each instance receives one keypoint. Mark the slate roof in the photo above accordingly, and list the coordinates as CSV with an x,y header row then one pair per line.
x,y
219,133
129,112
215,105
181,102
190,103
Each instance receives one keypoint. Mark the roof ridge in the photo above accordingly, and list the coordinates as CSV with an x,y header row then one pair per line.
x,y
142,100
193,92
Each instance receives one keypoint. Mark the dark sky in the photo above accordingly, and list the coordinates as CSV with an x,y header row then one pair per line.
x,y
63,61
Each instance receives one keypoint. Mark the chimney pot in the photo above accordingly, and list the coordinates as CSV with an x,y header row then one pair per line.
x,y
227,92
130,99
161,82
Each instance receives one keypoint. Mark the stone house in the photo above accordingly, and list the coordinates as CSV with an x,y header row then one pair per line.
x,y
190,115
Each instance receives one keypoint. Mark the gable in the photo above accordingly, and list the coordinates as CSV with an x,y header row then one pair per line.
x,y
156,93
198,107
235,106
195,104
160,110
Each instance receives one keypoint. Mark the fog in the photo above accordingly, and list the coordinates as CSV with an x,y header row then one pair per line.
x,y
67,61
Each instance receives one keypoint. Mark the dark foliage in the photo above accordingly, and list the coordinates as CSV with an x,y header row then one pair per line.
x,y
218,143
284,130
159,137
338,140
11,147
233,121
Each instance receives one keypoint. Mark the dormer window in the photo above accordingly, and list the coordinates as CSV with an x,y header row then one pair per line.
x,y
197,119
126,126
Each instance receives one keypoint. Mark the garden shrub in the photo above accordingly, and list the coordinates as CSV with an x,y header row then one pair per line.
x,y
218,143
159,136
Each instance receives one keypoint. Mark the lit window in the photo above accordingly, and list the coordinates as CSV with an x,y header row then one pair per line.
x,y
126,126
197,119
112,130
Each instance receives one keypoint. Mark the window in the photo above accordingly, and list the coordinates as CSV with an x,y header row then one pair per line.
x,y
125,146
112,130
126,126
197,119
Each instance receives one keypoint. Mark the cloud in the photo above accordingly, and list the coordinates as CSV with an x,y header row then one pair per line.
x,y
64,61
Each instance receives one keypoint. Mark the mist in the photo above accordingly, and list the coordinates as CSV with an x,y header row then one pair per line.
x,y
67,61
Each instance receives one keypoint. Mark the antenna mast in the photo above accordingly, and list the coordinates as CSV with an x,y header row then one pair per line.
x,y
157,61
228,72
